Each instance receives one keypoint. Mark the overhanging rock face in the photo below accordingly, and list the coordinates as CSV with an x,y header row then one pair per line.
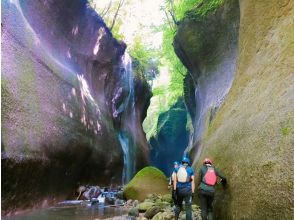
x,y
250,137
65,98
208,47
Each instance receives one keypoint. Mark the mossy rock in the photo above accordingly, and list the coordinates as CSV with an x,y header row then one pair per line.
x,y
144,206
164,216
152,211
149,180
167,198
133,212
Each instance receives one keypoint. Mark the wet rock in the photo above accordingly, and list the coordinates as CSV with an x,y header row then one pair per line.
x,y
135,203
145,205
164,216
119,202
129,202
152,197
121,218
133,212
141,217
149,200
163,204
59,102
109,200
91,192
167,198
152,211
120,195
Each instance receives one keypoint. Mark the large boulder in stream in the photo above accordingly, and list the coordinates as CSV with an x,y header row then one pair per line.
x,y
149,180
68,107
240,94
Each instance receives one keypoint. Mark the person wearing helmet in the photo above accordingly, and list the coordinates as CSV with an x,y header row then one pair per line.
x,y
171,180
184,188
207,181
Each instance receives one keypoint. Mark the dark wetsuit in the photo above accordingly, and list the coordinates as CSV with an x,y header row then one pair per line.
x,y
206,194
184,193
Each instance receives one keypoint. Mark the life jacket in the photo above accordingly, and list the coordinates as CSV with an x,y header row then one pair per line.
x,y
182,175
210,177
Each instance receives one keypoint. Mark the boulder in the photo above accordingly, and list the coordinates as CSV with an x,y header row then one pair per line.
x,y
133,212
152,211
144,206
167,198
147,181
164,216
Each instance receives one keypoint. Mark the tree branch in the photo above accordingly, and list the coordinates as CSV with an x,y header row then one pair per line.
x,y
116,13
105,10
172,12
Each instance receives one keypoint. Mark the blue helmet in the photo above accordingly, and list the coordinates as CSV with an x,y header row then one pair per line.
x,y
176,163
186,160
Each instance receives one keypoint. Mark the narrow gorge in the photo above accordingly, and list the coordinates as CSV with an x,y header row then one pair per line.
x,y
82,105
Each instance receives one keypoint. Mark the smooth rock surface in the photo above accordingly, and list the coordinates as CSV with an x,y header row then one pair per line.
x,y
67,92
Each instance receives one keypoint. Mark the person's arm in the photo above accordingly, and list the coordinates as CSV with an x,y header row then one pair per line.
x,y
193,183
174,181
200,177
220,175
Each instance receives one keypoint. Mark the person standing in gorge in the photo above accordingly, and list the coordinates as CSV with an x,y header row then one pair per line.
x,y
171,180
207,181
184,187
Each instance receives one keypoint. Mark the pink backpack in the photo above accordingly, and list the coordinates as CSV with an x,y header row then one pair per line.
x,y
210,177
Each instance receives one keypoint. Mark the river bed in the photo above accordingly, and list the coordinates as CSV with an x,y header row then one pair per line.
x,y
82,211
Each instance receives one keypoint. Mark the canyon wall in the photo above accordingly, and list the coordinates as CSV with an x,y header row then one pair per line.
x,y
249,135
68,93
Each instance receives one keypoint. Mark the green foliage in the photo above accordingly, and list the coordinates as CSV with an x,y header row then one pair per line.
x,y
145,58
108,13
183,8
176,68
285,131
139,51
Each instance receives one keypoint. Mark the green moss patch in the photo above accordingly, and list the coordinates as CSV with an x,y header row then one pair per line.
x,y
149,180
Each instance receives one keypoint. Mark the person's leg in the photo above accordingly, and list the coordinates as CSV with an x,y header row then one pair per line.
x,y
188,205
178,207
210,207
203,205
173,197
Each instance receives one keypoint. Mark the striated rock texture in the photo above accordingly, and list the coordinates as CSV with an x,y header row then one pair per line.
x,y
68,92
251,137
171,138
207,46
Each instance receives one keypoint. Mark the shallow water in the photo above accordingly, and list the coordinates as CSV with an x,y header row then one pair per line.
x,y
72,212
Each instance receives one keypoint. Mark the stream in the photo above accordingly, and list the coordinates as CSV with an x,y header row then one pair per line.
x,y
72,211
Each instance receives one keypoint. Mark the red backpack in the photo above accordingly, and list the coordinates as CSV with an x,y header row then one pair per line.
x,y
210,176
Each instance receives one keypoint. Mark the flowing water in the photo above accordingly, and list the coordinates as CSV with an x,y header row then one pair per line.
x,y
72,212
128,108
